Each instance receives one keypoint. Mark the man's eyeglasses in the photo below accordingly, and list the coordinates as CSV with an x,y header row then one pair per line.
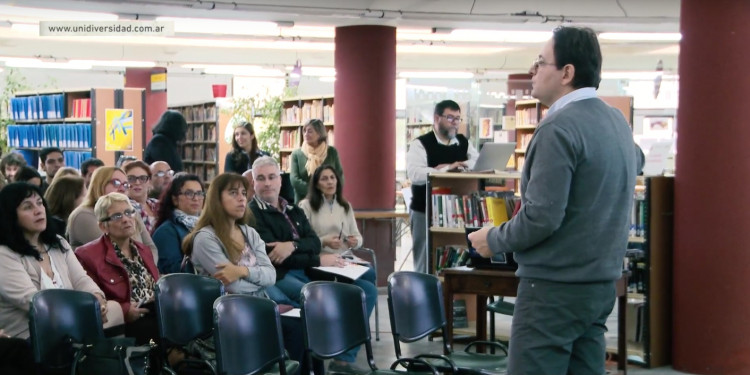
x,y
193,194
169,173
118,216
142,179
451,118
117,183
538,62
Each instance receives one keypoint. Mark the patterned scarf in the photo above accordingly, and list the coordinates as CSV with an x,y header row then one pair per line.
x,y
187,220
315,156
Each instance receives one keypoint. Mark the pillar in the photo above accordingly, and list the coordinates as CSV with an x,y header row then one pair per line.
x,y
365,132
712,204
156,100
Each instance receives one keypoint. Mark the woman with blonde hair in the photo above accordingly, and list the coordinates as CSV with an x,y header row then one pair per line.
x,y
313,153
63,195
83,225
115,256
65,171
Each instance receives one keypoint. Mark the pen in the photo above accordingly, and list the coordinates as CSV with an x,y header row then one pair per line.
x,y
342,230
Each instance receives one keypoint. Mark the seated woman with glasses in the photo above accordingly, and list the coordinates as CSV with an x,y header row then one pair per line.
x,y
180,206
124,269
34,258
83,225
222,246
139,176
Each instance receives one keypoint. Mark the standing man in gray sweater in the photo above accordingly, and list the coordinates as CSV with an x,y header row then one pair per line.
x,y
570,235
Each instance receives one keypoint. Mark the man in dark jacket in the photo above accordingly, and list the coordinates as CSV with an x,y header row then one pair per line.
x,y
170,129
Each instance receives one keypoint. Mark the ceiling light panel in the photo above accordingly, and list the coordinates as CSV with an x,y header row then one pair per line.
x,y
12,12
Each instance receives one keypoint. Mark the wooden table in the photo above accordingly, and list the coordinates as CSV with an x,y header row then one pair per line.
x,y
486,283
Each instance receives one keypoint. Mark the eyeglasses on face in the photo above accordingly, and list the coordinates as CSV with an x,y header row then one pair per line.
x,y
169,173
538,62
132,179
193,194
450,118
118,216
117,183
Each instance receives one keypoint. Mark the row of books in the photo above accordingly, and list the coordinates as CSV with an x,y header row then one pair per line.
x,y
285,164
290,138
206,172
200,153
50,135
38,107
529,116
638,218
451,256
81,108
311,110
482,208
523,141
72,158
198,113
635,262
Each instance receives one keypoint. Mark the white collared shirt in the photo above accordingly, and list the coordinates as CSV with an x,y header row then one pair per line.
x,y
573,96
416,160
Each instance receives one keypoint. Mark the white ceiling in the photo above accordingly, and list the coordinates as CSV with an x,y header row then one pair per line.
x,y
540,15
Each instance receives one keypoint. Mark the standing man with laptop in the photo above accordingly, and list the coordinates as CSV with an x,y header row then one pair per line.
x,y
440,150
570,235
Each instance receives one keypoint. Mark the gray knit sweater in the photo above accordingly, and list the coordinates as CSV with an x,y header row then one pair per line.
x,y
577,191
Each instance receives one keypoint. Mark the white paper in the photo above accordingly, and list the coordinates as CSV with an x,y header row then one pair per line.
x,y
293,313
352,271
656,158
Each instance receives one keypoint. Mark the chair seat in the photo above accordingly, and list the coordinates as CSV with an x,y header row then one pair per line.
x,y
501,307
291,368
474,363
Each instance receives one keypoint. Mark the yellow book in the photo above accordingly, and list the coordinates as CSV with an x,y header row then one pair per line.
x,y
496,210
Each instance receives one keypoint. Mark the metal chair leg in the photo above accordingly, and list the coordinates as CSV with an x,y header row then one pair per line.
x,y
375,267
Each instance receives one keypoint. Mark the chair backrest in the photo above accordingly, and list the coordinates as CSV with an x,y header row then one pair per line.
x,y
335,318
247,334
184,306
415,305
58,316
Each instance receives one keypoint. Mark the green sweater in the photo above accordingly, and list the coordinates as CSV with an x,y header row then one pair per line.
x,y
299,175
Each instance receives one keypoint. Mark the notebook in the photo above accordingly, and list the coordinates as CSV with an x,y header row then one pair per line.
x,y
501,261
494,156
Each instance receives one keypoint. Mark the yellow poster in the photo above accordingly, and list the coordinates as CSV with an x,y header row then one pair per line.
x,y
119,136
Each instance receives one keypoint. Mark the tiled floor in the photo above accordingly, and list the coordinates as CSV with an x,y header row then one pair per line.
x,y
384,352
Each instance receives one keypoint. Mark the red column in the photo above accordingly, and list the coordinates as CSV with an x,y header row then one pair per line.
x,y
156,101
365,113
711,334
365,132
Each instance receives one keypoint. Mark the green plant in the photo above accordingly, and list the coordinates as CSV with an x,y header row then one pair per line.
x,y
264,112
13,82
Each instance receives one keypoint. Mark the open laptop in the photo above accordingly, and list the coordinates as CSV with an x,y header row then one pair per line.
x,y
494,156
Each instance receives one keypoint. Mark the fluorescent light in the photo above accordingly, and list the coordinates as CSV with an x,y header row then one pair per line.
x,y
116,63
327,79
54,14
449,50
29,28
464,75
316,71
18,62
644,37
239,70
645,76
216,26
472,35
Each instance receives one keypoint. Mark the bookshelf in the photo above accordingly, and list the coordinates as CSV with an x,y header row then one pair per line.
x,y
295,113
444,233
74,120
650,284
529,113
202,152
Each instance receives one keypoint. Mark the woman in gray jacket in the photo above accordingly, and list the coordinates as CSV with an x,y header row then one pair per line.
x,y
33,258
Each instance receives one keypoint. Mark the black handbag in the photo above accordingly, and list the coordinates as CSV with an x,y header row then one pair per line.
x,y
112,356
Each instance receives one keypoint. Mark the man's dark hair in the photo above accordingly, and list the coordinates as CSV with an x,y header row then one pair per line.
x,y
172,125
450,104
579,47
26,173
48,150
12,234
88,163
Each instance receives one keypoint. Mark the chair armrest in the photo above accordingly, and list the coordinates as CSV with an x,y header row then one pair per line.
x,y
491,343
408,362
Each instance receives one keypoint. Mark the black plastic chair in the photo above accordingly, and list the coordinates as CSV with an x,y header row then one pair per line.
x,y
248,338
415,305
58,317
335,320
184,311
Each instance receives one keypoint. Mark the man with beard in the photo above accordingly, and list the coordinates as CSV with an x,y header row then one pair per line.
x,y
440,150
